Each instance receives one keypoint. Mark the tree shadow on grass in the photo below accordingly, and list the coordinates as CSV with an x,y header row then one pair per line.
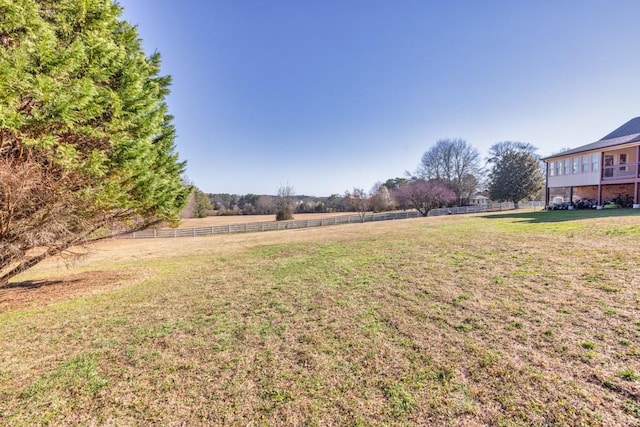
x,y
564,215
37,284
41,292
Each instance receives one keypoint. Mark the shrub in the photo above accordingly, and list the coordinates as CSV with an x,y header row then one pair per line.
x,y
623,200
284,215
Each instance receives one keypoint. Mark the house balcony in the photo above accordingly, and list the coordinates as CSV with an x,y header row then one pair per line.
x,y
624,172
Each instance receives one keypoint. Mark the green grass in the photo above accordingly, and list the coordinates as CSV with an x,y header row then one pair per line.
x,y
511,319
629,375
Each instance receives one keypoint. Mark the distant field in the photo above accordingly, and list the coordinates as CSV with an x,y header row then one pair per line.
x,y
241,219
508,319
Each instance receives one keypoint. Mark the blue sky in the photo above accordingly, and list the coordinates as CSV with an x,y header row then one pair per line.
x,y
330,95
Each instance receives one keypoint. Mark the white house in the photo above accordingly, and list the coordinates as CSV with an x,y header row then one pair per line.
x,y
479,200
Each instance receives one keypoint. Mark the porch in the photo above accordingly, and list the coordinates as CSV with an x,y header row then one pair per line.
x,y
620,172
625,194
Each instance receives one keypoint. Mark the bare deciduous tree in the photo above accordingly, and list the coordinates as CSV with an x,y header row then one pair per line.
x,y
455,163
359,201
285,203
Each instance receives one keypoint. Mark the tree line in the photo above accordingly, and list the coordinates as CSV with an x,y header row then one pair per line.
x,y
449,173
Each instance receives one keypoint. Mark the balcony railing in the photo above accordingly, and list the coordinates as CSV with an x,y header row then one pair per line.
x,y
618,172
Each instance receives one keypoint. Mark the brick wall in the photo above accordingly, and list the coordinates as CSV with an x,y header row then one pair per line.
x,y
611,191
586,192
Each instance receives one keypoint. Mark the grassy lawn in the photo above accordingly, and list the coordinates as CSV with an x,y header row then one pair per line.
x,y
526,318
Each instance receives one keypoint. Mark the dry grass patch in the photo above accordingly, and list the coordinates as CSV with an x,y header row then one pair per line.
x,y
527,319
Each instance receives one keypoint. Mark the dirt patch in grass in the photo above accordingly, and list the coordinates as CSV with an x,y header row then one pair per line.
x,y
40,292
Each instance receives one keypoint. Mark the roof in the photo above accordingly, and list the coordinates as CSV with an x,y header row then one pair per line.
x,y
629,128
628,132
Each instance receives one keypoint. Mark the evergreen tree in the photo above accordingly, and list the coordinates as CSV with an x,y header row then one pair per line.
x,y
515,174
86,142
203,204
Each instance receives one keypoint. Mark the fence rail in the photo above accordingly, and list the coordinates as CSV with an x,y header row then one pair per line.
x,y
305,223
492,207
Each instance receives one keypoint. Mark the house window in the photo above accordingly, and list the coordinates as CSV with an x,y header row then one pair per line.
x,y
595,162
623,161
608,161
585,164
567,166
559,167
576,164
552,168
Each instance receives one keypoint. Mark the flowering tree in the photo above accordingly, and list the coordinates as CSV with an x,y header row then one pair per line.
x,y
424,195
381,199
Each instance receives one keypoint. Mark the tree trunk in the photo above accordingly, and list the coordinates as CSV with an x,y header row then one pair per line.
x,y
24,266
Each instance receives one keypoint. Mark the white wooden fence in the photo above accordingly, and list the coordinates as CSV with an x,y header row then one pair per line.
x,y
492,207
305,223
267,226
